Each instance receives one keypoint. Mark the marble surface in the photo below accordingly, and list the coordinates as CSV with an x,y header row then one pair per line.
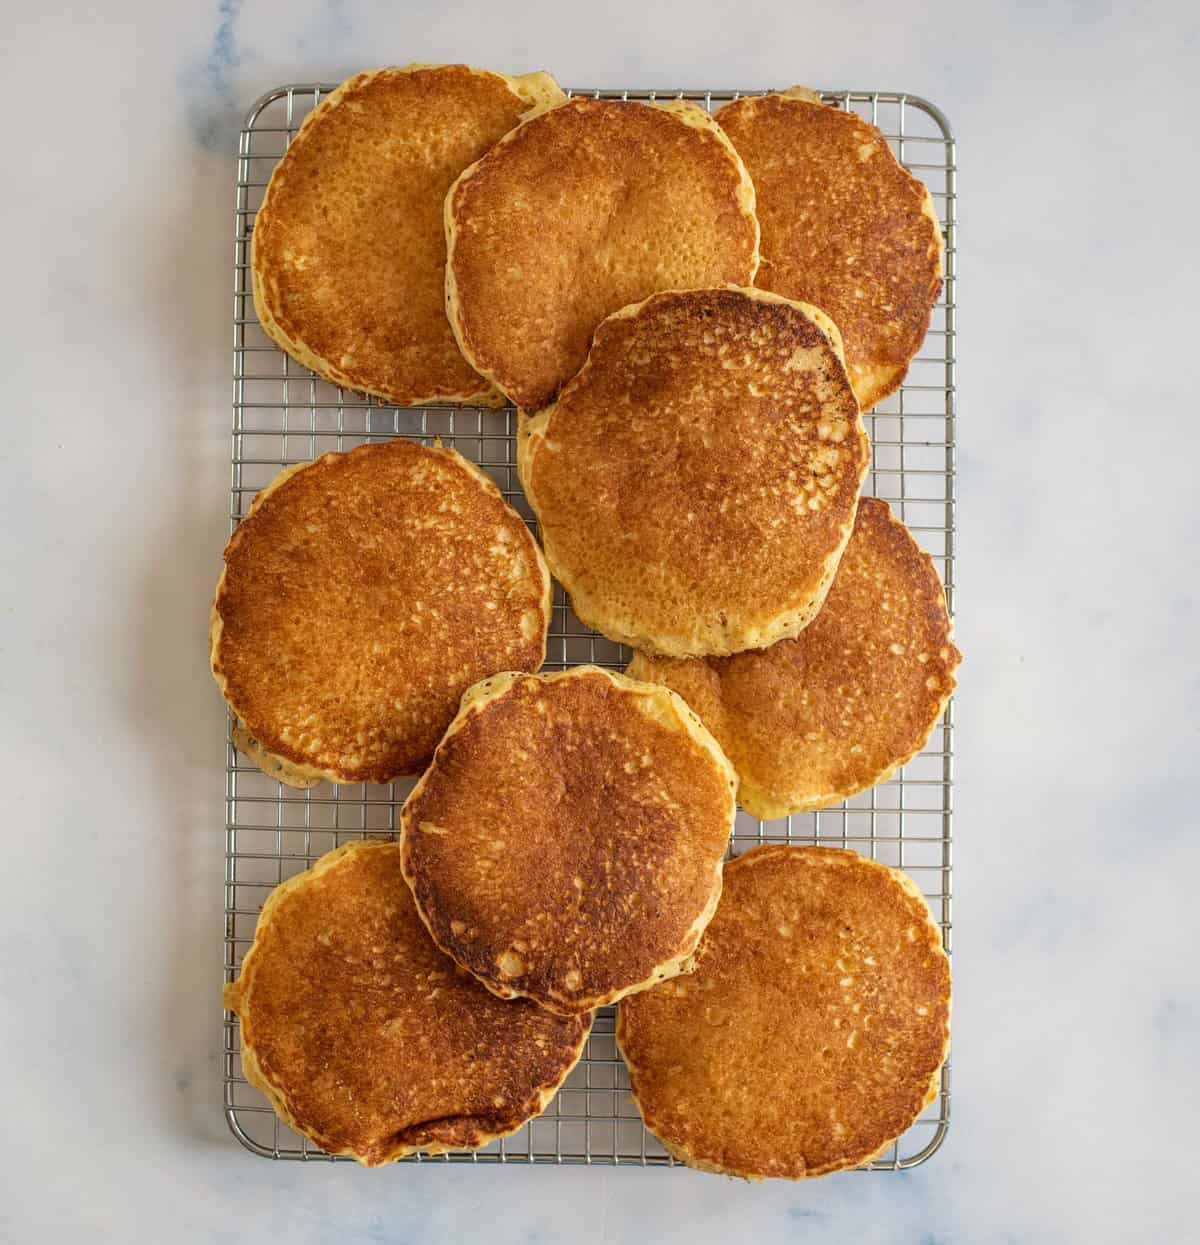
x,y
1078,1001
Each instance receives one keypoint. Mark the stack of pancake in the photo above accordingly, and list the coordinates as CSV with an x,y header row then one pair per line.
x,y
690,315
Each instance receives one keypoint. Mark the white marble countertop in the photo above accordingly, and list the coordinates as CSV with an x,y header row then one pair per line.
x,y
1077,1020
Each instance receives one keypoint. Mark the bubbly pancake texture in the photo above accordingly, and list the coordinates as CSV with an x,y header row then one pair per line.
x,y
349,251
815,719
362,595
367,1039
566,842
578,212
811,1033
844,226
697,481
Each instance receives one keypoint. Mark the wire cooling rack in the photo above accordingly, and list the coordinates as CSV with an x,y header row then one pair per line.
x,y
282,414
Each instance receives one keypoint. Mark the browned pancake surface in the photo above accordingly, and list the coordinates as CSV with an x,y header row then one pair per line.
x,y
812,720
349,249
368,1039
582,210
362,596
844,226
811,1033
697,481
566,843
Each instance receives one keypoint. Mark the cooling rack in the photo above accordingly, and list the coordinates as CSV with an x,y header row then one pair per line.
x,y
282,414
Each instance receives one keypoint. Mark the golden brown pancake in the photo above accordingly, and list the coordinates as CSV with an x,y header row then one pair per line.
x,y
367,1039
349,252
811,1033
362,595
812,720
696,482
844,226
577,212
566,842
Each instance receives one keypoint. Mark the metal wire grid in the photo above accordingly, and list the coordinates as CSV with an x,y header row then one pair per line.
x,y
282,414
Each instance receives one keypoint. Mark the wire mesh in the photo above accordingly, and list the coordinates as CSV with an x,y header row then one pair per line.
x,y
283,414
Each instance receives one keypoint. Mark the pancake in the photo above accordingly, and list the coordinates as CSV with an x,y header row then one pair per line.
x,y
578,212
566,843
368,1040
812,1032
844,226
696,482
362,595
349,252
815,719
